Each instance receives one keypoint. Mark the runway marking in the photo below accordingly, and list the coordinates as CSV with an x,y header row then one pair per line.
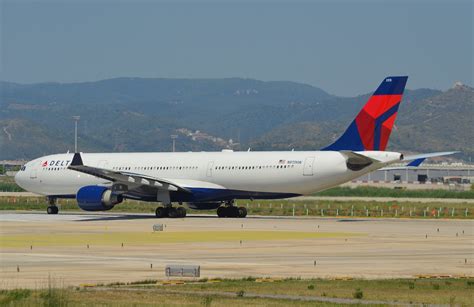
x,y
111,260
141,238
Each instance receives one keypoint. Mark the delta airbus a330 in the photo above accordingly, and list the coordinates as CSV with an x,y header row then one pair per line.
x,y
213,180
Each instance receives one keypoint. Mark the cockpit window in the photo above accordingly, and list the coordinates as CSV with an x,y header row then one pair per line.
x,y
23,168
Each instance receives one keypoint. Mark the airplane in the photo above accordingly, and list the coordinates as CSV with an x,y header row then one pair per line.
x,y
214,180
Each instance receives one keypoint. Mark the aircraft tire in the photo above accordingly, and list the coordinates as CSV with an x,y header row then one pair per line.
x,y
173,213
242,212
161,212
232,211
52,210
221,212
181,211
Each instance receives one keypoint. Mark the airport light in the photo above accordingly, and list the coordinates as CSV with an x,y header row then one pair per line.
x,y
174,137
76,120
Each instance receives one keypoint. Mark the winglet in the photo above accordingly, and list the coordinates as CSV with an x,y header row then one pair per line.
x,y
76,160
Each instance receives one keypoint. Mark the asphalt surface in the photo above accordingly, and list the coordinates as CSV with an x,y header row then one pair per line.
x,y
36,246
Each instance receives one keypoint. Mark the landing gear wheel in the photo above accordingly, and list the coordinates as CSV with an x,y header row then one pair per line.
x,y
172,212
242,211
52,210
181,212
221,212
232,211
161,212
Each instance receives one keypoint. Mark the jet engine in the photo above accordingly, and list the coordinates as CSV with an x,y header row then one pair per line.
x,y
97,198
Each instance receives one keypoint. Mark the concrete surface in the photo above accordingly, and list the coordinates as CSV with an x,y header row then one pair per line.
x,y
34,246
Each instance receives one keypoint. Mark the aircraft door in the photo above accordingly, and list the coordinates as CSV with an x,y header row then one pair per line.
x,y
308,166
33,174
210,166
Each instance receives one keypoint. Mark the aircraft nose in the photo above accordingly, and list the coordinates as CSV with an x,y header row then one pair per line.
x,y
19,178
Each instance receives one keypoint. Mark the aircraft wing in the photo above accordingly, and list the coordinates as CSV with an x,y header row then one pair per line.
x,y
123,181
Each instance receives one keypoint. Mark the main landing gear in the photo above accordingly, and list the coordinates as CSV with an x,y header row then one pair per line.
x,y
229,210
52,208
171,212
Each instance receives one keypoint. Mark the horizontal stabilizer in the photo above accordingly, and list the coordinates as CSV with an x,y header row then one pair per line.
x,y
428,155
417,162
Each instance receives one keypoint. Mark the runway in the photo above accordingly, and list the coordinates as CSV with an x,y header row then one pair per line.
x,y
87,248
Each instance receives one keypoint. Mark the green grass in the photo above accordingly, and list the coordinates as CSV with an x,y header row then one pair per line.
x,y
235,293
8,297
359,208
428,291
280,208
387,192
145,297
7,184
10,187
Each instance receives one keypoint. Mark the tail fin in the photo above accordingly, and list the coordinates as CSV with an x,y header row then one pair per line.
x,y
371,128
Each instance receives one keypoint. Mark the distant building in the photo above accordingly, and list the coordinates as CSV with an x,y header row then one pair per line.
x,y
10,167
457,173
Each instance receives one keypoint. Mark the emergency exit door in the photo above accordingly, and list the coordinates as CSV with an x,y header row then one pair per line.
x,y
210,166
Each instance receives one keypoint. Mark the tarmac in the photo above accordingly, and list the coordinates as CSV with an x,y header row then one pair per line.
x,y
83,248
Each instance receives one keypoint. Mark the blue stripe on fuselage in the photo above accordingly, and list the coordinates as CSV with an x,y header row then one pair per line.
x,y
207,194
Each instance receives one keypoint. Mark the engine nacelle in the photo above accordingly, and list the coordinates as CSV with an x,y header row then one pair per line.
x,y
204,205
97,198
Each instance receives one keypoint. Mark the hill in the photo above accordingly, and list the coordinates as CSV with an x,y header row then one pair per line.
x,y
139,114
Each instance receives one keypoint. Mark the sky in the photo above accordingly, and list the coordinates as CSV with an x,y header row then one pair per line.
x,y
343,47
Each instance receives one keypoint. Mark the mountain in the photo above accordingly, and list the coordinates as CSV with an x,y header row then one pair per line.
x,y
427,121
140,114
439,122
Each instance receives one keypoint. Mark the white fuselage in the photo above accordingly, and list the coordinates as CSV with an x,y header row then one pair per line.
x,y
288,172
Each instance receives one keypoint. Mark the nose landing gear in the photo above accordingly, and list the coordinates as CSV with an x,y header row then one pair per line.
x,y
52,208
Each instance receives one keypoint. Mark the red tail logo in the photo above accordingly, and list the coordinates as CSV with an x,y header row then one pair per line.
x,y
371,129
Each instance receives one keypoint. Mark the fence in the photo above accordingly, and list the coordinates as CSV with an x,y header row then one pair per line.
x,y
347,210
282,208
